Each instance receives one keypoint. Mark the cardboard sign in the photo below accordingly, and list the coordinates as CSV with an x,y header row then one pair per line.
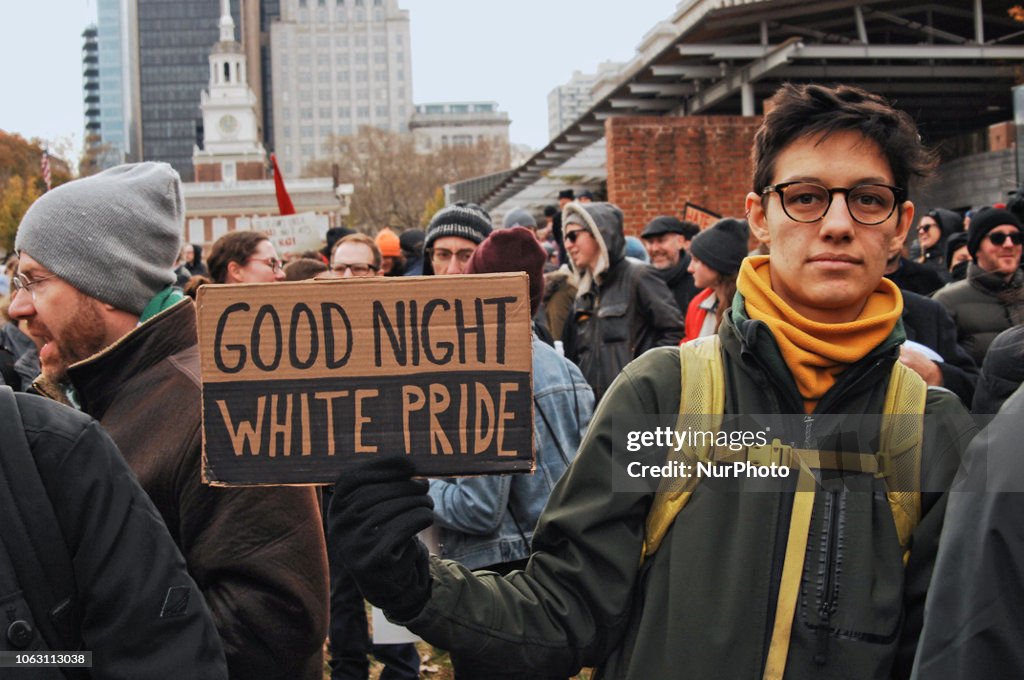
x,y
299,379
702,217
293,234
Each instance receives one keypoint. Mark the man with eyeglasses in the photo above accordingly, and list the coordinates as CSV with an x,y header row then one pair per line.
x,y
991,298
453,234
744,584
355,255
119,341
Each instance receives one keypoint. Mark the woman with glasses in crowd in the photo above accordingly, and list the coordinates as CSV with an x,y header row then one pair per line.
x,y
244,257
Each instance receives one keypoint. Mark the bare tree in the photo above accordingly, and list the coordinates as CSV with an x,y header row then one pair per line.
x,y
393,183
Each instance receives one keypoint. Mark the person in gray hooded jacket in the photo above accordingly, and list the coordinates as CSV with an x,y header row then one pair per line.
x,y
623,308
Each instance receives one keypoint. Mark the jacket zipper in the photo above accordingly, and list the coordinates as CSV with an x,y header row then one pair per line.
x,y
828,582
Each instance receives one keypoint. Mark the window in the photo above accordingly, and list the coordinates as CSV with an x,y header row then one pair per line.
x,y
360,41
323,59
286,131
307,150
382,111
344,113
341,76
362,76
306,132
400,74
380,58
304,59
306,113
324,95
380,76
325,111
323,77
380,40
341,58
363,112
361,58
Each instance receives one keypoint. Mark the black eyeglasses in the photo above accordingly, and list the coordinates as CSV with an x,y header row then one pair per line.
x,y
271,262
445,256
868,204
998,238
358,269
571,236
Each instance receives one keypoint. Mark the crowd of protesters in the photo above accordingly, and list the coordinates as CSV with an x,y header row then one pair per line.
x,y
829,296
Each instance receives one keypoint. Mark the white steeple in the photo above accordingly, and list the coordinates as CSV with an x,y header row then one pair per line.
x,y
231,130
227,24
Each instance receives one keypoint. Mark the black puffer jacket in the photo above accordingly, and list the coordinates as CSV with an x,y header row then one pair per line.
x,y
622,308
133,603
1002,373
983,306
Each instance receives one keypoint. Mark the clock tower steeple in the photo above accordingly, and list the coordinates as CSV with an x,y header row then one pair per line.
x,y
231,149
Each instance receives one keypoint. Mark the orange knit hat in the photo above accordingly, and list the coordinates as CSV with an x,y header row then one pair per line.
x,y
388,243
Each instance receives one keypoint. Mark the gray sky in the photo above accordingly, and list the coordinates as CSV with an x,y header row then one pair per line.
x,y
513,53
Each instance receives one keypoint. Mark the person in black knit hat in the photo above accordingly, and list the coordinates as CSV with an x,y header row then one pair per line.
x,y
453,234
715,257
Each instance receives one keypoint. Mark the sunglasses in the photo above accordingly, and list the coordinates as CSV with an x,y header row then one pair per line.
x,y
999,238
571,236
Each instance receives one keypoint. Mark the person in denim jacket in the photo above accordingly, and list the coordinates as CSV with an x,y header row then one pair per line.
x,y
488,521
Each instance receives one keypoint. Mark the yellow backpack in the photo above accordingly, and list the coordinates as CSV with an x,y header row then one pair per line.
x,y
701,408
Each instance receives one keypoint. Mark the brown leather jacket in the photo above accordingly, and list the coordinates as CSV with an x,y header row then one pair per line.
x,y
257,554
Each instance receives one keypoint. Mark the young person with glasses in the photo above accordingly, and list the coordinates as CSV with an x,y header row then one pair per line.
x,y
244,257
453,234
744,584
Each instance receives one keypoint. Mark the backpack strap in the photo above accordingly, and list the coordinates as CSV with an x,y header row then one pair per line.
x,y
32,535
701,408
901,443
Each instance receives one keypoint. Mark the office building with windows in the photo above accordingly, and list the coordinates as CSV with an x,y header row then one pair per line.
x,y
337,65
440,125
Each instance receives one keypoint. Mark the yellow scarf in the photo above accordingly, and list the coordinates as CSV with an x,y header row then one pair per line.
x,y
817,352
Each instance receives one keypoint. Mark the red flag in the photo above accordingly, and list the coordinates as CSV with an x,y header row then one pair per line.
x,y
284,201
44,166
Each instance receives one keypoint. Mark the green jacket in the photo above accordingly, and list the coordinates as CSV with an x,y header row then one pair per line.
x,y
703,605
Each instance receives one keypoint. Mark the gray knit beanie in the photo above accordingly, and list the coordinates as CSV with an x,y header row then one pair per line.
x,y
519,218
114,236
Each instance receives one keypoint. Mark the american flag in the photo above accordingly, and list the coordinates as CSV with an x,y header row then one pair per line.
x,y
44,165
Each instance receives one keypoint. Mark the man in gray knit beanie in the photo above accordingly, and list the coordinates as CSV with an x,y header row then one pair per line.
x,y
94,254
119,341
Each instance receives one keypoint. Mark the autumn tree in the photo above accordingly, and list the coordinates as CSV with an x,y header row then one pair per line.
x,y
393,183
21,181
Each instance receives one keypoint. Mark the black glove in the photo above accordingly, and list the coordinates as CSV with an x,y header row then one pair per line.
x,y
372,522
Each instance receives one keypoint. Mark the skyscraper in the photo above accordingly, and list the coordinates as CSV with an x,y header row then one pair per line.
x,y
174,42
116,140
337,65
91,85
